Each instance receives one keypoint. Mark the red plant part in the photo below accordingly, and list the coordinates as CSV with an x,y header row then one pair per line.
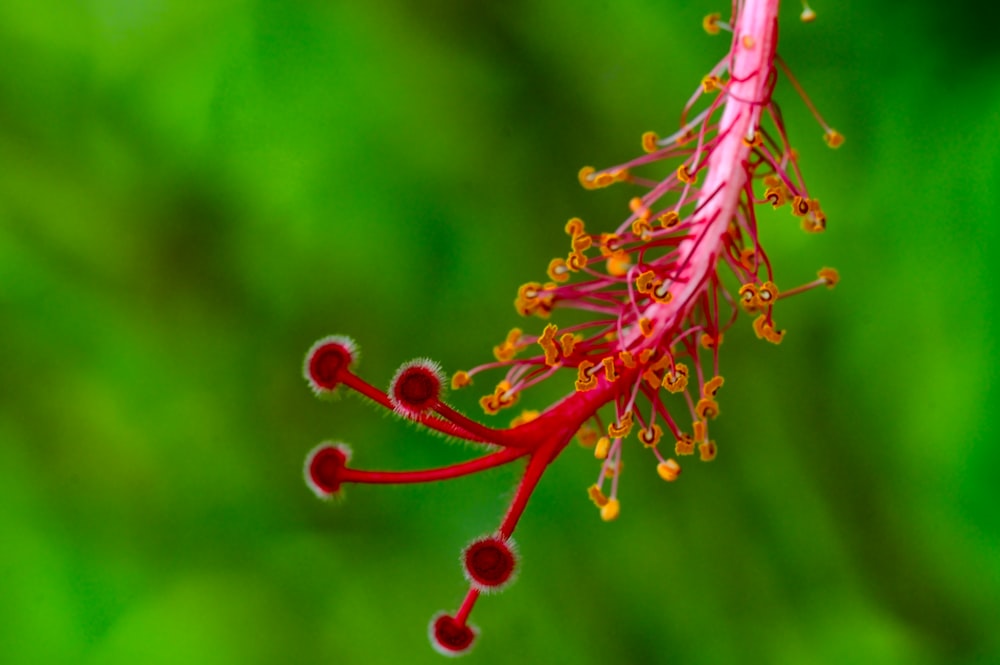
x,y
658,305
490,563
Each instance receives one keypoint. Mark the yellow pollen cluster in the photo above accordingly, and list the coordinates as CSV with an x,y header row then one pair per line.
x,y
764,329
647,283
711,23
712,386
830,276
650,142
597,496
669,219
711,83
460,379
677,380
558,270
707,408
526,417
711,342
602,448
620,429
548,343
684,175
534,298
585,380
650,436
500,399
669,470
754,141
507,349
591,179
833,138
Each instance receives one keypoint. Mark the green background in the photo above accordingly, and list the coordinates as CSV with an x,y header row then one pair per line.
x,y
192,193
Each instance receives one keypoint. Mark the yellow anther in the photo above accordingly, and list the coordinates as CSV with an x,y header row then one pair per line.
x,y
661,293
584,380
700,428
807,15
669,219
767,293
646,354
764,329
636,205
576,261
754,141
814,222
597,496
586,177
566,343
602,448
684,445
610,510
627,359
833,138
711,342
507,349
711,387
685,175
830,276
748,259
641,227
677,380
644,282
650,436
620,429
609,369
669,470
706,408
649,142
646,327
547,341
558,270
460,379
749,297
622,175
587,436
581,242
776,195
711,83
748,42
604,179
711,23
800,206
574,227
707,451
618,263
610,244
525,417
501,398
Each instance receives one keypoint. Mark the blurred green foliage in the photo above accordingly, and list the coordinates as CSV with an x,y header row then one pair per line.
x,y
192,193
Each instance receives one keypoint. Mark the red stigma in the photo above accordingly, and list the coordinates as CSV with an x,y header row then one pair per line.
x,y
327,360
489,563
449,637
416,388
325,465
